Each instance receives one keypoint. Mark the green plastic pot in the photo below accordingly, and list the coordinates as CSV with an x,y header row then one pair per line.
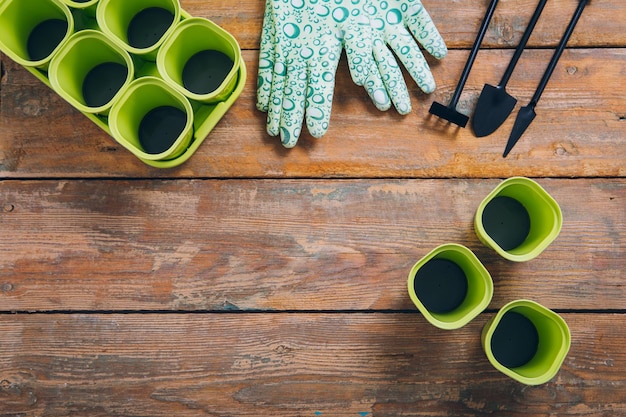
x,y
553,342
114,18
479,287
70,66
142,96
18,19
545,218
193,36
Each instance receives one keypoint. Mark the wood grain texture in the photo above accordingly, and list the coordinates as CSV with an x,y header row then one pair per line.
x,y
579,130
458,21
259,281
291,365
285,245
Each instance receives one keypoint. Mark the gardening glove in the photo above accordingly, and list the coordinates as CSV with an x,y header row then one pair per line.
x,y
301,44
398,24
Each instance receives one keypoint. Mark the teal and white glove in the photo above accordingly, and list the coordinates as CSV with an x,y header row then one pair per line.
x,y
399,23
300,48
301,44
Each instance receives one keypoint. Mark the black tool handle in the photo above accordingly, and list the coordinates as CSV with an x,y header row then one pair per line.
x,y
558,52
522,43
473,53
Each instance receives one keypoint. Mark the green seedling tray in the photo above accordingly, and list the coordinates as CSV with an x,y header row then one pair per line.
x,y
206,116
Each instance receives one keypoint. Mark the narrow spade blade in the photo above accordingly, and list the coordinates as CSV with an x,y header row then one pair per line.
x,y
492,109
524,118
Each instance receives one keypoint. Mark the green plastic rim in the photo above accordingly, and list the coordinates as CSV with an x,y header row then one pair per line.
x,y
188,38
91,4
479,291
18,18
554,342
114,17
82,52
545,214
143,95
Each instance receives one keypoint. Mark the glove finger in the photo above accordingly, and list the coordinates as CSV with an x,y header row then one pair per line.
x,y
321,86
392,78
292,114
276,99
358,47
319,99
423,28
374,85
264,81
266,60
412,58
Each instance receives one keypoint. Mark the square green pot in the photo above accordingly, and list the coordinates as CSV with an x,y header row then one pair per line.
x,y
543,211
193,36
84,51
18,19
554,341
479,287
115,16
142,96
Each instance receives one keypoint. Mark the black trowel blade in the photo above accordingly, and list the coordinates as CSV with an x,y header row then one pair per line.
x,y
524,118
492,109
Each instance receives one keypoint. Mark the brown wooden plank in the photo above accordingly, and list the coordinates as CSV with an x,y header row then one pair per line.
x,y
601,24
458,21
291,365
579,130
284,245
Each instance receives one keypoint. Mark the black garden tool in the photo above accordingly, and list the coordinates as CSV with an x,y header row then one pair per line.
x,y
495,104
527,113
449,112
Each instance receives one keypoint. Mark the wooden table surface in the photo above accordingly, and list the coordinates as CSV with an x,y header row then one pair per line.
x,y
259,281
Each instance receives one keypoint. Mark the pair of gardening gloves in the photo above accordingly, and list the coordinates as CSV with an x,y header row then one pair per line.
x,y
302,41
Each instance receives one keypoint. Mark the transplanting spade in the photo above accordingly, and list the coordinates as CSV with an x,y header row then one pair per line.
x,y
494,103
527,113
